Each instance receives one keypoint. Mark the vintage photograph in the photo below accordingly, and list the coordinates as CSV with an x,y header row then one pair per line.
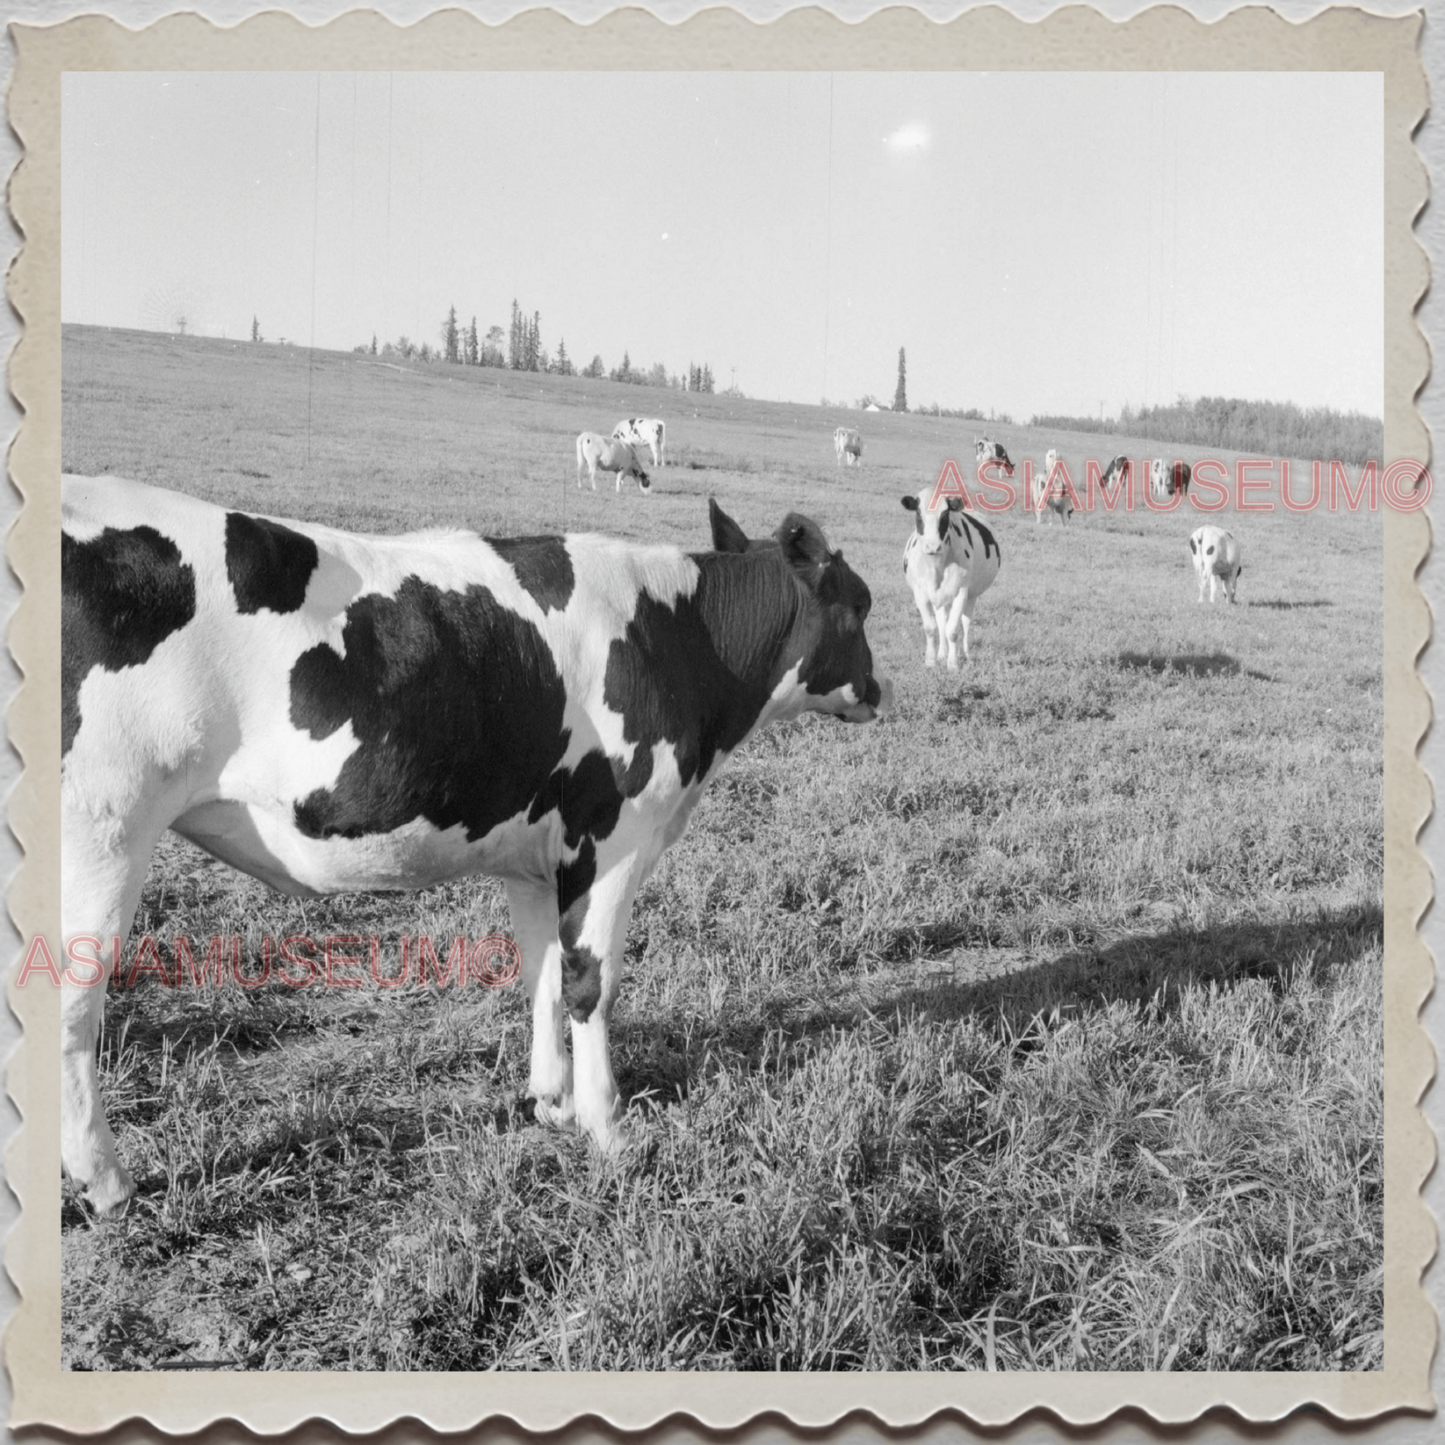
x,y
722,721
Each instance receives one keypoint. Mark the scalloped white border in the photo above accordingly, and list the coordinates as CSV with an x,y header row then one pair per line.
x,y
540,39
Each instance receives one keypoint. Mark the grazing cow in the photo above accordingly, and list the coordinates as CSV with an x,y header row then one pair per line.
x,y
1167,480
985,450
644,431
848,445
1049,495
1216,560
950,561
328,711
612,456
1116,472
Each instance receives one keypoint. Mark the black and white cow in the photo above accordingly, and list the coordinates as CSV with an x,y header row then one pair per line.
x,y
950,561
1216,560
985,450
610,455
1167,479
329,711
1116,472
644,431
848,444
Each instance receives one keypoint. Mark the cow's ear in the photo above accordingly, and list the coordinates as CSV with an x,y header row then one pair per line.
x,y
954,505
727,536
803,544
911,502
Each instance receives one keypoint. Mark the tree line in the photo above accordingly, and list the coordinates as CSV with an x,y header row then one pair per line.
x,y
1268,428
521,349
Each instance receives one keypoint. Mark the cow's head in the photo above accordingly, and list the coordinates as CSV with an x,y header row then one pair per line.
x,y
835,670
930,519
980,447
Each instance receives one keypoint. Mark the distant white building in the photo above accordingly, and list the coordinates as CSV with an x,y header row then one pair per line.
x,y
872,406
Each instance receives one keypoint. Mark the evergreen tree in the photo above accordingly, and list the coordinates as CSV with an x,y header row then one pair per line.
x,y
255,329
373,343
451,337
564,362
473,349
595,369
900,395
517,340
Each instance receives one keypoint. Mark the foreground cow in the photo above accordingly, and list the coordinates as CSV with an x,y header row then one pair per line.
x,y
610,455
987,451
1116,472
1168,479
1050,495
329,711
1216,560
848,444
950,561
643,431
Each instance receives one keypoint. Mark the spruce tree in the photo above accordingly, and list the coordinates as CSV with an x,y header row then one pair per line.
x,y
900,396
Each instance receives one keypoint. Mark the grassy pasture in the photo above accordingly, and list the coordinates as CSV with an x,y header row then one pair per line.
x,y
1037,1026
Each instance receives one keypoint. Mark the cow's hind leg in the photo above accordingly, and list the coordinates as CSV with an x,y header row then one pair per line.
x,y
103,865
534,926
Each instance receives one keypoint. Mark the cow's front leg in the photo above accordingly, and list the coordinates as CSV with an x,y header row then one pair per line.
x,y
534,925
947,623
958,624
594,929
930,633
102,867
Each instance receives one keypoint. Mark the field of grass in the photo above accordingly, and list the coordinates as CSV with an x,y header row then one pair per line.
x,y
1037,1026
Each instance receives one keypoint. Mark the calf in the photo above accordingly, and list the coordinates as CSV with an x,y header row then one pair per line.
x,y
644,431
610,455
1116,472
1050,495
329,711
1216,560
848,444
985,451
950,561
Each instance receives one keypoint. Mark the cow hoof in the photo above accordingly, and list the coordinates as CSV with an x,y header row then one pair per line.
x,y
557,1113
110,1195
953,664
930,662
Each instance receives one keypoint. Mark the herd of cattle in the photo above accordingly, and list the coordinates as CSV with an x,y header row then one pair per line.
x,y
952,557
350,712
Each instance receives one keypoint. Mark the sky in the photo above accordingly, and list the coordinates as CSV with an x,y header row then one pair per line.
x,y
1055,243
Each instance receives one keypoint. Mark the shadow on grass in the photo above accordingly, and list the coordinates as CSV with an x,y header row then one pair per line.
x,y
666,1057
1195,664
1279,604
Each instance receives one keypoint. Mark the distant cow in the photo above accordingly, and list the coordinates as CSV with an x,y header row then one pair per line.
x,y
1167,480
331,712
644,431
610,455
950,561
849,446
1216,559
1117,471
1049,495
985,450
